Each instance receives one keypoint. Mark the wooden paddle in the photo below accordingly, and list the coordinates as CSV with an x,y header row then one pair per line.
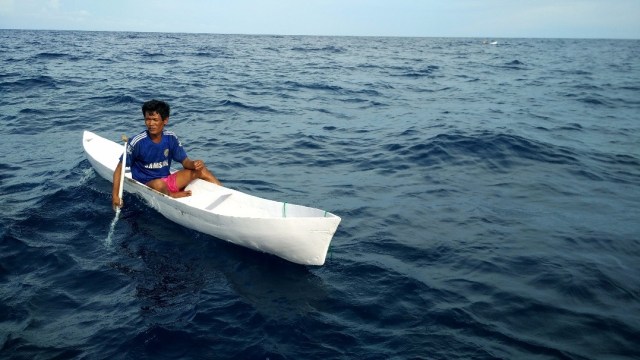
x,y
115,218
123,167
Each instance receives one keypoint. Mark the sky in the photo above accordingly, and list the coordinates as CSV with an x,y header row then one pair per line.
x,y
610,19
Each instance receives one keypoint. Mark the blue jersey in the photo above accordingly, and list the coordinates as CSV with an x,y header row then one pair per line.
x,y
150,161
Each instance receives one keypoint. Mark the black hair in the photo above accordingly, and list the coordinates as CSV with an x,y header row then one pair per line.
x,y
158,106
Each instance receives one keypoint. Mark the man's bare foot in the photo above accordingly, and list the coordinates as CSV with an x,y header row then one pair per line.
x,y
180,194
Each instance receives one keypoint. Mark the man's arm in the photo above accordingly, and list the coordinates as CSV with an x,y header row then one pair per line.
x,y
200,170
192,164
115,199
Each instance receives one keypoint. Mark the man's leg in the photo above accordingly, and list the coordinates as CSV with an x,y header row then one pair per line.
x,y
185,176
161,186
207,175
158,185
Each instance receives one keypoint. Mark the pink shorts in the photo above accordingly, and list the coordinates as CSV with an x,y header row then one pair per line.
x,y
172,182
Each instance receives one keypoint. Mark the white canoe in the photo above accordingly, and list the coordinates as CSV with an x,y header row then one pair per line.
x,y
296,233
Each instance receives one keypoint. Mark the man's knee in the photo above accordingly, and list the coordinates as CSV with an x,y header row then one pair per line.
x,y
158,185
205,173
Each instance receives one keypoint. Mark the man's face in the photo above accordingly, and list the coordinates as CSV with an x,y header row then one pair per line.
x,y
154,123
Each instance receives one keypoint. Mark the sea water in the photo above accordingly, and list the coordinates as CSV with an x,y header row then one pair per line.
x,y
489,195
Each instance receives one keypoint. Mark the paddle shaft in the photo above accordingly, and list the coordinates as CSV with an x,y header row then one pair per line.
x,y
123,167
120,190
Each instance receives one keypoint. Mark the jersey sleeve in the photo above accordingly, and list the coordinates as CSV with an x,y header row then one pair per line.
x,y
177,151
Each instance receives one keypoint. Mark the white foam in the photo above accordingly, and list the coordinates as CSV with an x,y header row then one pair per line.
x,y
109,240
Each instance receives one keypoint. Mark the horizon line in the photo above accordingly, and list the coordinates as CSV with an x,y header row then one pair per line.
x,y
321,35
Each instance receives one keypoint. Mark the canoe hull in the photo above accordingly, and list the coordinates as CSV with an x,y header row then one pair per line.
x,y
295,233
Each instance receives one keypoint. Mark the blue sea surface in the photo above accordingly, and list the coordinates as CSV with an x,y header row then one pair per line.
x,y
489,195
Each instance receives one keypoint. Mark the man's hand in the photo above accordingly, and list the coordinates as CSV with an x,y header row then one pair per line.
x,y
116,202
198,165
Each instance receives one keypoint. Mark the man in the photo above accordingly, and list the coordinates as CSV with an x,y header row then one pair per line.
x,y
149,154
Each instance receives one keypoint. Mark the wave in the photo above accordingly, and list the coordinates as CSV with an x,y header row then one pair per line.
x,y
211,52
313,86
40,82
6,171
497,151
512,65
598,100
110,100
309,142
57,56
515,63
328,49
418,73
242,106
336,89
592,100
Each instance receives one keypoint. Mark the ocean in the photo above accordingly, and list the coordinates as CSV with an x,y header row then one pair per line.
x,y
489,196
